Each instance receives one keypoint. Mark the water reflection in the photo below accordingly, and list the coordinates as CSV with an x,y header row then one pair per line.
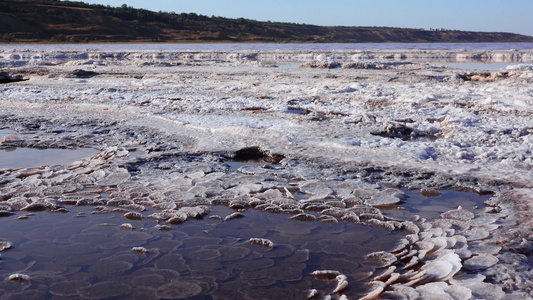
x,y
431,206
14,158
30,157
477,66
272,46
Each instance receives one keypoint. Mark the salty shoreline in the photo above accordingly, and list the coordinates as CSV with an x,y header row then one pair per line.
x,y
375,121
20,57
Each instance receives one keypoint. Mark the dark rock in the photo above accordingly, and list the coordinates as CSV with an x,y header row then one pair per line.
x,y
79,73
133,216
6,77
6,213
400,131
34,207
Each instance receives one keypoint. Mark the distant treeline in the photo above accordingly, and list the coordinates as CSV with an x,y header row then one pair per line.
x,y
76,21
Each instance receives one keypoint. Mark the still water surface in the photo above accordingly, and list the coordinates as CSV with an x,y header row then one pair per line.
x,y
15,158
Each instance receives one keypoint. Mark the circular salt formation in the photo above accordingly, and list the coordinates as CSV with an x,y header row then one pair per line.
x,y
485,290
443,268
201,241
329,219
6,213
19,277
382,199
4,245
458,214
289,273
67,288
279,251
153,280
101,239
144,292
480,262
133,216
484,248
163,227
428,192
140,250
304,217
351,217
380,259
204,254
235,215
180,289
483,220
171,262
343,265
476,234
231,253
295,228
106,289
127,226
17,203
50,268
239,204
131,238
465,279
334,212
344,249
108,266
441,290
315,188
35,207
254,265
115,177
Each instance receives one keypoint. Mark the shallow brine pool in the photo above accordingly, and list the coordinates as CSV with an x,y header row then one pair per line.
x,y
20,157
83,252
477,66
29,157
70,254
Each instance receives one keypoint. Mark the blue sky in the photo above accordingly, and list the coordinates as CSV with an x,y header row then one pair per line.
x,y
474,15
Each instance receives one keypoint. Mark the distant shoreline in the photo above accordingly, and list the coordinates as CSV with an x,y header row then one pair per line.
x,y
521,46
65,22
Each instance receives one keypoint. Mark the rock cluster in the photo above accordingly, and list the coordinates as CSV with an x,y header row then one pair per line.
x,y
6,77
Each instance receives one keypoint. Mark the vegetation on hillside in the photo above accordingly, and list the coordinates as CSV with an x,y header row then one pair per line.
x,y
74,21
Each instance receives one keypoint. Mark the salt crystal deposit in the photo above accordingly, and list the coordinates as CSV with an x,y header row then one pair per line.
x,y
338,141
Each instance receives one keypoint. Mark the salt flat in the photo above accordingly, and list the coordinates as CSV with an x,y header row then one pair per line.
x,y
376,121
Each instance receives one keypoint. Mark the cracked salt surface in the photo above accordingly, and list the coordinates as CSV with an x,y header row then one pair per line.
x,y
370,128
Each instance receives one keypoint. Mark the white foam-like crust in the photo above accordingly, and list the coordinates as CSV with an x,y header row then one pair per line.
x,y
483,127
225,101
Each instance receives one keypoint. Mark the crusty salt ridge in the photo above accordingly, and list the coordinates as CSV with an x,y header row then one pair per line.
x,y
372,120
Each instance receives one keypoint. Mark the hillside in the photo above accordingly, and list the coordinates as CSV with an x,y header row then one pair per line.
x,y
67,21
